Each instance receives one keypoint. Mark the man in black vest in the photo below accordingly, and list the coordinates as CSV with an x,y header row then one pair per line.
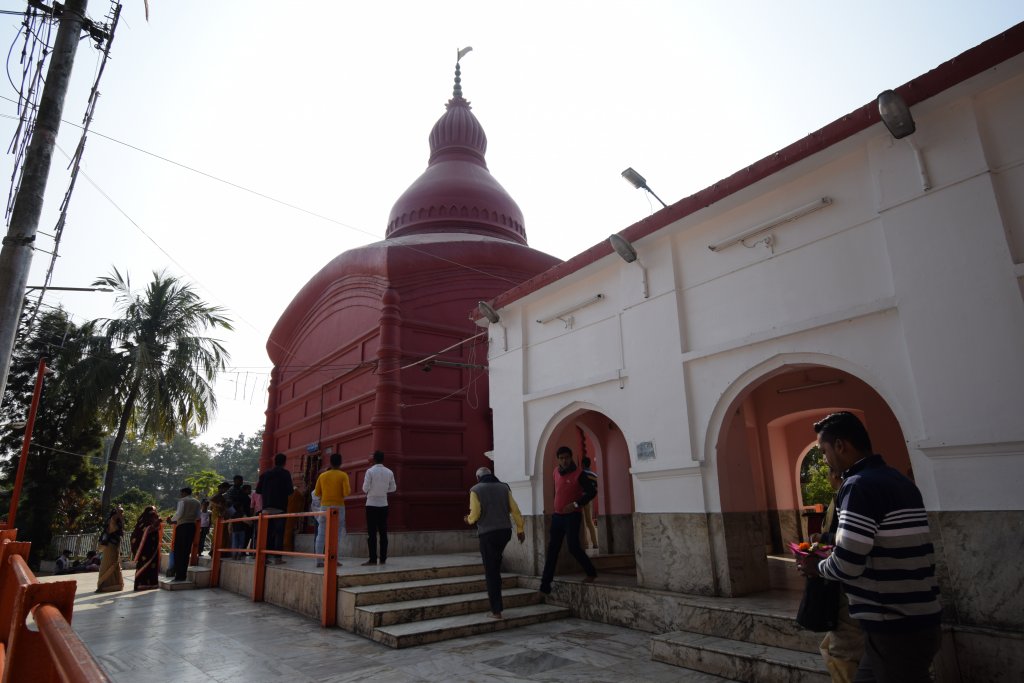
x,y
490,506
275,485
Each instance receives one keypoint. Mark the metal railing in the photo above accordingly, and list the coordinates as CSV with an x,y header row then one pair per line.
x,y
329,606
52,651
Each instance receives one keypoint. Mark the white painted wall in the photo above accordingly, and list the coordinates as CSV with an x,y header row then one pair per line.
x,y
916,292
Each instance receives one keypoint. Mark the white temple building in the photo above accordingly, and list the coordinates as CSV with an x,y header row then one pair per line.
x,y
850,270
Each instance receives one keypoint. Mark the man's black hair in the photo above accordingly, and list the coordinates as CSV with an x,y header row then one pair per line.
x,y
378,457
238,478
187,490
585,461
844,425
563,449
280,459
335,459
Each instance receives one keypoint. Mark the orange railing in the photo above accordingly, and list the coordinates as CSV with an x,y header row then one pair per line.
x,y
53,653
328,611
169,543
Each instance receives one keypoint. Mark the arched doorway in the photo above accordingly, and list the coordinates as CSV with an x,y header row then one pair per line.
x,y
766,432
592,434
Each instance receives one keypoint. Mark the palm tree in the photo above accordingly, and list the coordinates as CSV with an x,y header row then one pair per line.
x,y
152,369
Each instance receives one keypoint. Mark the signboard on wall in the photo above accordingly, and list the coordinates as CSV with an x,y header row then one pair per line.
x,y
645,450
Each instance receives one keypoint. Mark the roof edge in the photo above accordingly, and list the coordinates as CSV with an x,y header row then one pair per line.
x,y
964,66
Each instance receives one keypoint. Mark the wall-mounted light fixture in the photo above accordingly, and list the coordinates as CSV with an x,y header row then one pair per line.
x,y
640,183
566,315
623,247
493,318
488,312
769,240
895,114
897,118
627,252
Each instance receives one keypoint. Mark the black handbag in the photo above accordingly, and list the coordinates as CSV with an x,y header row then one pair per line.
x,y
819,608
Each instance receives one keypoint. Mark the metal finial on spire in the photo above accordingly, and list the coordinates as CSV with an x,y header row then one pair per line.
x,y
457,92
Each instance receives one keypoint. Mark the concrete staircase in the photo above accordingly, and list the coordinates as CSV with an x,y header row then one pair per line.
x,y
417,606
744,644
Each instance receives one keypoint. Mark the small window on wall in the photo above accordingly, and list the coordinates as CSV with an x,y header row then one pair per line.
x,y
814,484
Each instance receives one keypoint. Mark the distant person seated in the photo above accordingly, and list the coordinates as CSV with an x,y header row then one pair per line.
x,y
63,564
91,564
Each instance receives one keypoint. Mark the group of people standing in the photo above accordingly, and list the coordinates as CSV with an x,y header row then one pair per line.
x,y
276,494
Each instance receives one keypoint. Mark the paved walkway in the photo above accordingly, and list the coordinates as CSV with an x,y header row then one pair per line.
x,y
213,635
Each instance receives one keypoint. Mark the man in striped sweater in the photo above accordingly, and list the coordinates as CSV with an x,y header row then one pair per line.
x,y
883,556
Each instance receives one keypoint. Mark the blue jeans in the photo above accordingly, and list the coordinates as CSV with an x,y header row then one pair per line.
x,y
238,538
321,529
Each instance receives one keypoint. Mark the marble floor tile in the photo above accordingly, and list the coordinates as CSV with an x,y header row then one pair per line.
x,y
213,635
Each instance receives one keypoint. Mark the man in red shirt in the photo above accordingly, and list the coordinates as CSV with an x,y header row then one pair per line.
x,y
573,490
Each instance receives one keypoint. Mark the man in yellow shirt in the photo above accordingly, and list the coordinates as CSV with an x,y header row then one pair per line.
x,y
490,505
332,488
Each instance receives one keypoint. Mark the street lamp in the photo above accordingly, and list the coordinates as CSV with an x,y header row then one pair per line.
x,y
29,288
640,183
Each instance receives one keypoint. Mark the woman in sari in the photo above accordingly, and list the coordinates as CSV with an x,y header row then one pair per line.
x,y
110,544
145,542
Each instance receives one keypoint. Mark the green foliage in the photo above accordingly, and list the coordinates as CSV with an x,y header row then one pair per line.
x,y
61,473
152,368
814,484
204,483
160,469
136,497
240,455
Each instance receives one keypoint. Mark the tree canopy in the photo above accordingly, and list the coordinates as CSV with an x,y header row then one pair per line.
x,y
153,369
63,466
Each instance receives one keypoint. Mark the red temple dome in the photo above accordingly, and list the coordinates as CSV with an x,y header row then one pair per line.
x,y
457,193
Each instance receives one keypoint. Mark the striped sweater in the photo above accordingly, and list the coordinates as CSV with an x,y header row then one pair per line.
x,y
883,553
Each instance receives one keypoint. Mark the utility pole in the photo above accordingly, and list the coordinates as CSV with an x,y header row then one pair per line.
x,y
16,256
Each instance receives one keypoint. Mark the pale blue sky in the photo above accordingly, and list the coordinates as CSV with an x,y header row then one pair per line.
x,y
328,107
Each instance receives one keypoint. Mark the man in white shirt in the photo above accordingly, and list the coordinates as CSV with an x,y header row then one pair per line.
x,y
184,519
378,482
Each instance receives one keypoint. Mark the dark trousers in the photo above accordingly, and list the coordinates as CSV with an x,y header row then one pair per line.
x,y
275,530
564,527
898,657
377,523
183,537
492,546
203,532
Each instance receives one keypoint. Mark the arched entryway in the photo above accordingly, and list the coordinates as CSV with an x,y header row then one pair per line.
x,y
592,434
767,430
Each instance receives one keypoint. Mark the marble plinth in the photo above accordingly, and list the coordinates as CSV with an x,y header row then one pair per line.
x,y
673,552
784,526
980,578
738,546
615,534
985,656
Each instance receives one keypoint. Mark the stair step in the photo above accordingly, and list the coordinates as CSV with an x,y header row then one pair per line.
x,y
434,630
387,574
369,617
738,660
608,562
172,585
421,589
